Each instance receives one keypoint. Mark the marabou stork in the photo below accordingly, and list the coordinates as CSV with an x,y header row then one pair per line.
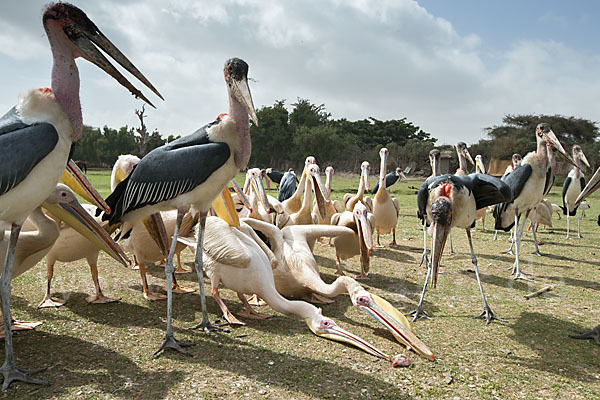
x,y
591,187
452,201
516,161
390,179
287,185
480,169
274,175
191,171
385,208
527,183
573,185
463,155
434,161
36,136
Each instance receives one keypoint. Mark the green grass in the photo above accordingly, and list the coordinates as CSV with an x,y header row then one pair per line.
x,y
105,351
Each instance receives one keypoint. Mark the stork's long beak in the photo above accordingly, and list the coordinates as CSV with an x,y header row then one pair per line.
x,y
584,159
241,194
468,156
225,209
241,91
341,335
440,233
89,37
551,137
259,188
76,217
397,324
77,182
591,187
156,228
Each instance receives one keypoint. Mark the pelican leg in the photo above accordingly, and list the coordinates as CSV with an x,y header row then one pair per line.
x,y
148,295
227,315
177,288
205,324
99,297
393,244
424,258
9,369
593,334
578,223
338,264
419,313
250,313
378,244
48,301
487,313
180,269
170,342
483,224
534,229
519,234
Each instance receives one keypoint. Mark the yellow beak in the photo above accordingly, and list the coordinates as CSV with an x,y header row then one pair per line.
x,y
76,181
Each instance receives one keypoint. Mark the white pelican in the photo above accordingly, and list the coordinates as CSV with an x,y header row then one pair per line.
x,y
191,171
304,215
452,201
527,183
296,275
385,208
572,186
331,207
362,224
349,200
293,203
36,136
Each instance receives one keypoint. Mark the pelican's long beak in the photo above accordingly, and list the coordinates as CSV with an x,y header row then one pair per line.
x,y
591,187
551,138
440,233
241,91
365,177
397,324
241,194
468,156
341,335
77,182
225,209
584,159
365,238
156,228
76,217
319,194
88,38
259,189
120,175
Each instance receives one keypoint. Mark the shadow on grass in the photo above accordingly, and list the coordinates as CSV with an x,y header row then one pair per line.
x,y
84,364
555,352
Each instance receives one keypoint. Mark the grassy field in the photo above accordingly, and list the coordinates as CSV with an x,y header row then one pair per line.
x,y
105,351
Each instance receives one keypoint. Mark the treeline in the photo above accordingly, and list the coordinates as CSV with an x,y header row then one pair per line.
x,y
285,138
101,147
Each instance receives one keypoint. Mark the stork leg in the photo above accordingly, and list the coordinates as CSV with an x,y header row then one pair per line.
x,y
9,369
495,235
519,234
170,342
534,229
450,239
593,334
424,258
48,300
487,313
419,313
568,219
512,235
99,297
578,223
205,324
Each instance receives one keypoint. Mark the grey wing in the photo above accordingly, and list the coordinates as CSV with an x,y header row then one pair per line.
x,y
22,147
518,178
287,186
488,190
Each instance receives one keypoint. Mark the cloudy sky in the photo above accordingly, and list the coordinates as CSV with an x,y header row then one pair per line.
x,y
450,67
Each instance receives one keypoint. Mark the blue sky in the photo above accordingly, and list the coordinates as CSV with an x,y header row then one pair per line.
x,y
451,67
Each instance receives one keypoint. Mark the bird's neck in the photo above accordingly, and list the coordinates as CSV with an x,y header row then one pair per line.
x,y
254,204
65,84
47,230
307,201
542,153
238,113
462,163
301,184
328,184
361,186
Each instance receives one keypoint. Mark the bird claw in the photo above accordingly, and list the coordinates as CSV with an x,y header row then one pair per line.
x,y
522,275
12,374
593,334
418,313
424,259
207,327
489,316
171,343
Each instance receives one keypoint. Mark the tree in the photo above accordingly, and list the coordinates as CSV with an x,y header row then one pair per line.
x,y
142,131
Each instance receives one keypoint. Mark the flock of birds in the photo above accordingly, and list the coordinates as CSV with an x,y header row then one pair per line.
x,y
254,244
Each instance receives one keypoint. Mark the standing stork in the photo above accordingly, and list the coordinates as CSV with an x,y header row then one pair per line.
x,y
572,187
390,179
452,201
480,169
287,186
385,208
516,161
36,137
191,171
463,155
434,161
527,183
